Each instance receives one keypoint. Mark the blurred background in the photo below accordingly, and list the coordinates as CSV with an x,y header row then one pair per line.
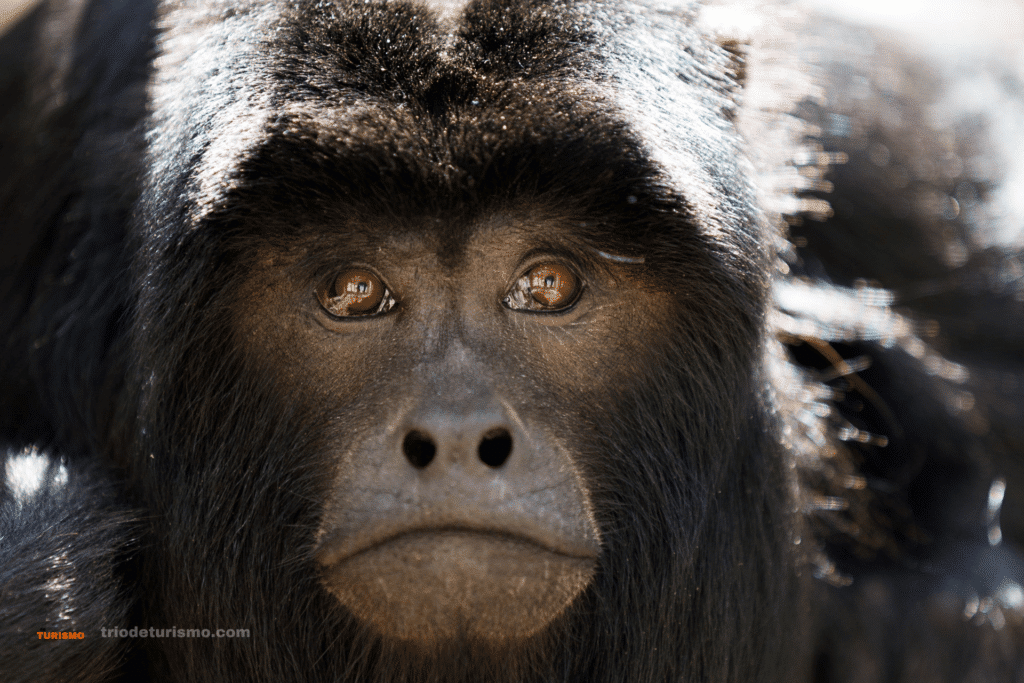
x,y
938,24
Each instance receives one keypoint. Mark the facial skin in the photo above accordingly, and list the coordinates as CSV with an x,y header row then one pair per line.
x,y
453,374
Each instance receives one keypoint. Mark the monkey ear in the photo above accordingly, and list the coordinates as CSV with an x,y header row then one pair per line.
x,y
734,25
771,75
762,44
737,52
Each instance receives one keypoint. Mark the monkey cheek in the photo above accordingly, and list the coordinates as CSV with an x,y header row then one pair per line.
x,y
440,586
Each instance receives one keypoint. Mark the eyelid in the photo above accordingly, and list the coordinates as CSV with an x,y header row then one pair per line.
x,y
550,254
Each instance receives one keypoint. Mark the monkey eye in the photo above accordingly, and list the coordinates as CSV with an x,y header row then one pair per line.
x,y
353,293
547,287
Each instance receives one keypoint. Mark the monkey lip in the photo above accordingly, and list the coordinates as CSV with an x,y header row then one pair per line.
x,y
435,583
340,547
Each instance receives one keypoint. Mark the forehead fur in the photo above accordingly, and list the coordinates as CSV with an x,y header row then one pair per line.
x,y
601,104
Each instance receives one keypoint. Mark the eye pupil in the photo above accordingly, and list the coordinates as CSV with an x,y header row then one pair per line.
x,y
549,281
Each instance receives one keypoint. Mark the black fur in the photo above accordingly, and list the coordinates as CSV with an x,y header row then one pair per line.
x,y
62,531
162,164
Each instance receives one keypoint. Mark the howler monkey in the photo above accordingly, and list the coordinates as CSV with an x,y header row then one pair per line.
x,y
364,340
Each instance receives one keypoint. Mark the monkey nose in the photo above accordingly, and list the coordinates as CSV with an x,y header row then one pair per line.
x,y
454,440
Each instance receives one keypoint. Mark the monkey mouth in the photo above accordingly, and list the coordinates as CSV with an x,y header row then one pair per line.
x,y
430,583
342,547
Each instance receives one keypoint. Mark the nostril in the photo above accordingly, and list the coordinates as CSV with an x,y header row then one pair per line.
x,y
419,448
495,447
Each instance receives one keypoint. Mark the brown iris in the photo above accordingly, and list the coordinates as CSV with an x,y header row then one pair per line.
x,y
552,285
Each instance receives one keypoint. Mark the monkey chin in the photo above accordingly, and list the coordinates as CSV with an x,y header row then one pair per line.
x,y
437,586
